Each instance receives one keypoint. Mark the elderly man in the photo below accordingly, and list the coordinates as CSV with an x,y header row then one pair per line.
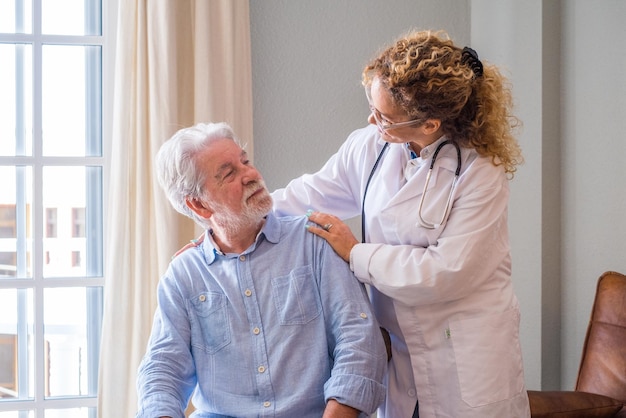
x,y
262,318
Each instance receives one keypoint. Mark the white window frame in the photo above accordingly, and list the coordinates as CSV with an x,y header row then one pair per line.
x,y
35,408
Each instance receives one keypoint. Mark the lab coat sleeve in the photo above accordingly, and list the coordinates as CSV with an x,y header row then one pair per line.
x,y
337,187
472,245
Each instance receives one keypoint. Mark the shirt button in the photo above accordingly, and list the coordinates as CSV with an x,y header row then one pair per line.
x,y
261,369
363,315
256,331
242,258
248,292
266,404
411,393
202,298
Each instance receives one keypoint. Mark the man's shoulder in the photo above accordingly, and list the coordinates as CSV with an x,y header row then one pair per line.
x,y
285,227
291,221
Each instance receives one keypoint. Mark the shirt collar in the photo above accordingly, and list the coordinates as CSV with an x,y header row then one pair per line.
x,y
270,231
428,150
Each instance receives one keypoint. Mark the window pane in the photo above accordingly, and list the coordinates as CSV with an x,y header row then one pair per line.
x,y
51,222
15,222
16,358
74,196
71,367
70,17
70,413
16,16
16,99
17,414
71,100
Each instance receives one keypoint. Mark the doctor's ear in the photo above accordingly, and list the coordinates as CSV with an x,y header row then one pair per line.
x,y
199,207
431,126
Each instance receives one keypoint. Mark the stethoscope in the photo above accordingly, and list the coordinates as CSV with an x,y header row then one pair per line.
x,y
420,219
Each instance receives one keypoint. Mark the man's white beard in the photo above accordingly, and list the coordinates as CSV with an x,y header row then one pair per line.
x,y
251,214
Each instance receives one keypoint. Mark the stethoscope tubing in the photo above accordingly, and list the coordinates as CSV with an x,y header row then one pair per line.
x,y
367,185
420,219
446,212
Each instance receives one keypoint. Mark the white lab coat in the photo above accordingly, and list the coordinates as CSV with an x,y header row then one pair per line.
x,y
445,294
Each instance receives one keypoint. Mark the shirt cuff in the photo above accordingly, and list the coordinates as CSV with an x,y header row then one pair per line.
x,y
159,405
359,392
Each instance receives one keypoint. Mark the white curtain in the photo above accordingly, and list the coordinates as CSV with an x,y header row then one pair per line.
x,y
178,62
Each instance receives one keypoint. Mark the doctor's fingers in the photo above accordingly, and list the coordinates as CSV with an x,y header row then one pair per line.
x,y
342,243
336,232
324,220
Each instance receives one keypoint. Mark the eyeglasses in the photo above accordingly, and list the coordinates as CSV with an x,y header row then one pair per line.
x,y
383,124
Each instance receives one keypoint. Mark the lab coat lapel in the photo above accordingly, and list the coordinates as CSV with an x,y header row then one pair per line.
x,y
443,172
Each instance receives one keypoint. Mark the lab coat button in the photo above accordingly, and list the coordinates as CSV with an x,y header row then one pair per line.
x,y
411,393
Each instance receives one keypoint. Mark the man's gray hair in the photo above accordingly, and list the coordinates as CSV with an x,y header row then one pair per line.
x,y
177,168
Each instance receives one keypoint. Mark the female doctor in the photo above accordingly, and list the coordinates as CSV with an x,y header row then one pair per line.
x,y
429,176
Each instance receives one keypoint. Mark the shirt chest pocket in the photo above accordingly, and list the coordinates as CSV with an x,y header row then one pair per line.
x,y
296,297
209,321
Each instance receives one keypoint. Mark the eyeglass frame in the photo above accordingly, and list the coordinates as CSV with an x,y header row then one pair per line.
x,y
384,127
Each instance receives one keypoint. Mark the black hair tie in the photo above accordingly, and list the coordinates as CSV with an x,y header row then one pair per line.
x,y
470,57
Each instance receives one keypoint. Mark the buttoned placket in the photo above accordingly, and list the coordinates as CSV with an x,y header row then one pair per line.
x,y
262,372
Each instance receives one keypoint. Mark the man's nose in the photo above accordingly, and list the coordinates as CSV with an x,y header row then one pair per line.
x,y
250,174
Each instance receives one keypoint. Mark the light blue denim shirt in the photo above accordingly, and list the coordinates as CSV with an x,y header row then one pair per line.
x,y
275,331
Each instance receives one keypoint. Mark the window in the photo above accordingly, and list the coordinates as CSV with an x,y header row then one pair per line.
x,y
52,166
78,222
51,222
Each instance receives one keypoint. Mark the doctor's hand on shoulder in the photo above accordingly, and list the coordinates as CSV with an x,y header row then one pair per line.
x,y
335,231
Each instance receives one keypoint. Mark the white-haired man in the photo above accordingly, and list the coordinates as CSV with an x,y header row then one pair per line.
x,y
259,319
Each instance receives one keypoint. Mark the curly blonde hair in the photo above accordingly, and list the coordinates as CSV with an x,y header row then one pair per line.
x,y
428,77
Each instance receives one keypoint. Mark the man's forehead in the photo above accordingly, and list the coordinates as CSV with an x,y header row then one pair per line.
x,y
222,149
221,154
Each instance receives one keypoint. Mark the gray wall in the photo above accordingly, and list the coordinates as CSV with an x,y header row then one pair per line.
x,y
509,33
307,58
593,150
565,60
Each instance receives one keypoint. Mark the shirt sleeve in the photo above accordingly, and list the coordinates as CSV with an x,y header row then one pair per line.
x,y
355,339
166,375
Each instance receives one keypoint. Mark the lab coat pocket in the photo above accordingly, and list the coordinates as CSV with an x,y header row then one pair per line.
x,y
209,318
488,357
296,297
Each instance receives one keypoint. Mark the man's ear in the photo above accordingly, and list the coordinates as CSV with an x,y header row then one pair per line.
x,y
198,207
431,126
